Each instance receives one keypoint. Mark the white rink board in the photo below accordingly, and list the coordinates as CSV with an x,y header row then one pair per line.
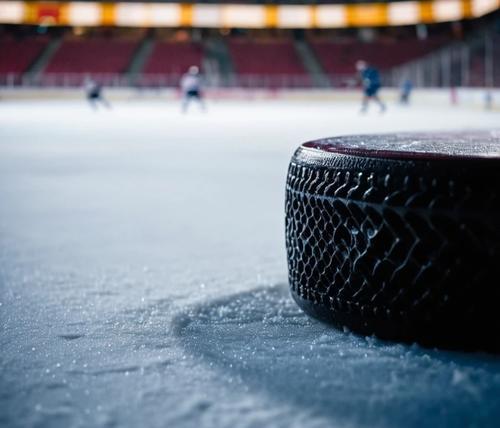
x,y
143,276
464,97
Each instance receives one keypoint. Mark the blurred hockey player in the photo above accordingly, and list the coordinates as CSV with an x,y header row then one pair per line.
x,y
406,89
94,94
191,88
370,79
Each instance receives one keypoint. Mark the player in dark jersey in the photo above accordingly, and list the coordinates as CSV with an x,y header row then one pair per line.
x,y
370,79
94,94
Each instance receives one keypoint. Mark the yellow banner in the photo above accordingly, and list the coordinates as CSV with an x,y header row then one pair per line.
x,y
172,15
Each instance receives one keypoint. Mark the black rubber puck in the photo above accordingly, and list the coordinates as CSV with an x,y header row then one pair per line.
x,y
399,236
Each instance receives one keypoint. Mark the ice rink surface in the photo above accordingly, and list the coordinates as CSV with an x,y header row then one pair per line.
x,y
143,277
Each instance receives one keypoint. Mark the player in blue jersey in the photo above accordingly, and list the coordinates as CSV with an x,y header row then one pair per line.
x,y
406,90
370,79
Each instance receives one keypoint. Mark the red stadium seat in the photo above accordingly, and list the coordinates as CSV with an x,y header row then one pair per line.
x,y
268,57
272,63
339,58
173,58
93,56
18,55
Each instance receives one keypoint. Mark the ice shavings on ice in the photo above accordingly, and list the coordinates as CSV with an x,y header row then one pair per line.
x,y
260,339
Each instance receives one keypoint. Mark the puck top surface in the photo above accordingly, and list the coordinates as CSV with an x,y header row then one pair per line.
x,y
438,145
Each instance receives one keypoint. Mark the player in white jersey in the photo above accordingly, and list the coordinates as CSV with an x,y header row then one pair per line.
x,y
191,88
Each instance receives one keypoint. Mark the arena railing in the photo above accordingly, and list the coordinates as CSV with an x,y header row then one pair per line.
x,y
474,62
392,78
152,81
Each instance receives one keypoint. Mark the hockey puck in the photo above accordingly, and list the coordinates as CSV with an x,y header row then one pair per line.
x,y
399,236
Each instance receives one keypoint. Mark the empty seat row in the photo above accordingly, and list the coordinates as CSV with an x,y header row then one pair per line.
x,y
249,57
340,57
17,55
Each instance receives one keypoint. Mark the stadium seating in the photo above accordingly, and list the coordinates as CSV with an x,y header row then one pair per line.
x,y
92,56
265,58
269,63
16,56
173,58
340,57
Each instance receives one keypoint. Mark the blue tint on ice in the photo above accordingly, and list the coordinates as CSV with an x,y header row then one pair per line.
x,y
142,277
